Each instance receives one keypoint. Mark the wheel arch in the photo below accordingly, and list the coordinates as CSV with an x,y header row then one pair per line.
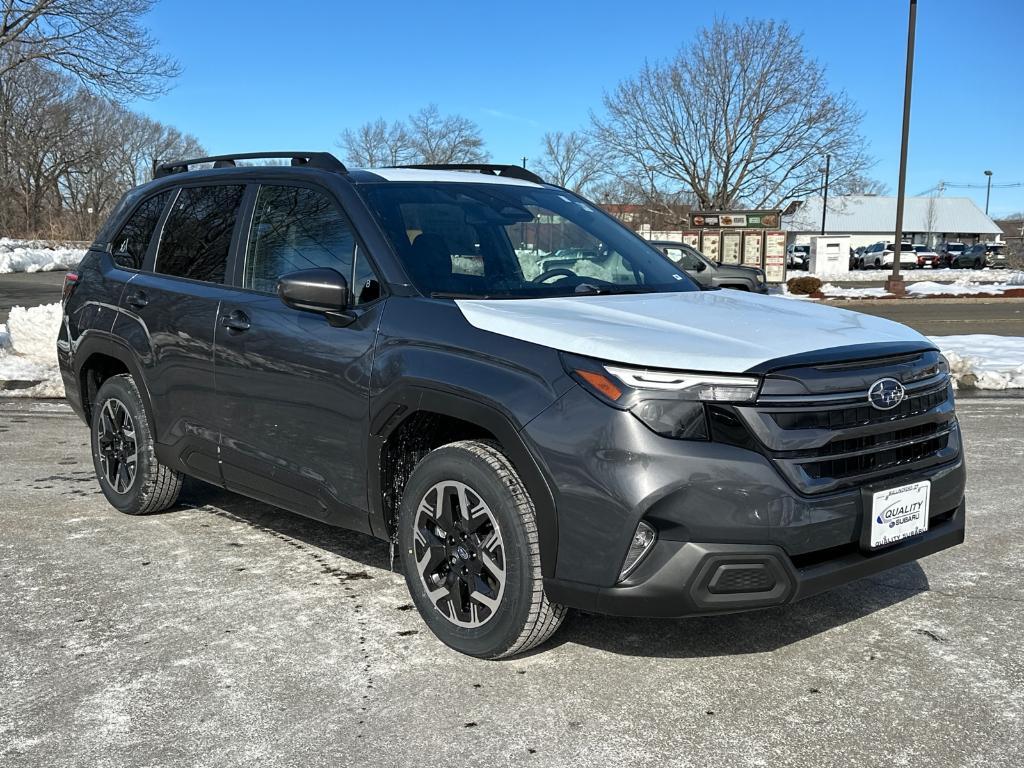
x,y
99,357
448,417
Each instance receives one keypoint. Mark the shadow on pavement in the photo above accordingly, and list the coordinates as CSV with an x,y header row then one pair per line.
x,y
724,635
740,633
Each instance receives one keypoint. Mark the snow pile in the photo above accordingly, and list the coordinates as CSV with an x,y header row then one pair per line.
x,y
984,361
834,291
28,353
961,287
913,275
35,256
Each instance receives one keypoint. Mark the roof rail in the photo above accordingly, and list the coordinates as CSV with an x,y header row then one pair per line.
x,y
511,171
322,160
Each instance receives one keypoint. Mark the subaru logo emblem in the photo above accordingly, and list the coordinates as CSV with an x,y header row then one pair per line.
x,y
886,394
461,552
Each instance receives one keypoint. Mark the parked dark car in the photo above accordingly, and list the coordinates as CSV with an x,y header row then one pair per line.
x,y
712,274
385,350
949,252
981,255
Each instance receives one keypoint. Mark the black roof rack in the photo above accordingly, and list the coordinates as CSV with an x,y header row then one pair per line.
x,y
511,171
323,160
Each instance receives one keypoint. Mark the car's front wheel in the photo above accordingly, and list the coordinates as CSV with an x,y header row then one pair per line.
x,y
130,476
469,548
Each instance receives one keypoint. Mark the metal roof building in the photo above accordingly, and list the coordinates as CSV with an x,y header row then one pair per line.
x,y
869,218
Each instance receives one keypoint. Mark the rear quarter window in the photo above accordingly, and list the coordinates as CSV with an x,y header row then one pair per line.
x,y
132,242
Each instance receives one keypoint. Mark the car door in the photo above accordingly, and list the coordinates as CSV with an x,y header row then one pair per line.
x,y
293,388
168,310
689,263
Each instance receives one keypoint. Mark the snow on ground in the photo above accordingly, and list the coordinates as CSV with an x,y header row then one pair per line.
x,y
984,361
28,356
35,256
964,285
912,275
28,353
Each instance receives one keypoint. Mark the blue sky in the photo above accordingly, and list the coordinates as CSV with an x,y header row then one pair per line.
x,y
273,75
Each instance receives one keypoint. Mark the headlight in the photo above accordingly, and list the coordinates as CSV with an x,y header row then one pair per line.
x,y
690,386
670,403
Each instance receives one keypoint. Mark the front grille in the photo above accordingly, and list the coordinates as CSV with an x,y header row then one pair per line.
x,y
855,415
884,459
836,439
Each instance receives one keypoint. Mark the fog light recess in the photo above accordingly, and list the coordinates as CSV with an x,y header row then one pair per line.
x,y
643,540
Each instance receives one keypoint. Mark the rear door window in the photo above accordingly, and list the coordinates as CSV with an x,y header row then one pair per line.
x,y
132,242
197,235
295,228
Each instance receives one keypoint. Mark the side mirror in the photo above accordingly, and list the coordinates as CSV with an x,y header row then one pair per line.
x,y
701,266
314,290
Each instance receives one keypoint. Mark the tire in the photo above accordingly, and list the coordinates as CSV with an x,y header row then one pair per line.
x,y
122,439
495,545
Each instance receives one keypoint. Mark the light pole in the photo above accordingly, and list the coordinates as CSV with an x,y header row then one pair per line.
x,y
895,282
988,190
824,196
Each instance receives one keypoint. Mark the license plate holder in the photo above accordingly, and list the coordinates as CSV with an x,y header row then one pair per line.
x,y
893,515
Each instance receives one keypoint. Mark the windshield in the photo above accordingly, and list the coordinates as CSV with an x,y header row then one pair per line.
x,y
512,241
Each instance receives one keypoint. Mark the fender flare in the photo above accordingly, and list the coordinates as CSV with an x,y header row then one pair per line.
x,y
409,400
96,342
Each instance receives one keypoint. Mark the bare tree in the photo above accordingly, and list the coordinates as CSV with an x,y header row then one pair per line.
x,y
375,144
427,137
571,160
740,118
101,43
930,217
67,155
858,184
438,138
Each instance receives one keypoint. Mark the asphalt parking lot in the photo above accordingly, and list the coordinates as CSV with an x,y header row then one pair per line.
x,y
227,633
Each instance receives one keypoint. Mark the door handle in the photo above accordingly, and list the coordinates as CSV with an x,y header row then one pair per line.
x,y
138,299
236,321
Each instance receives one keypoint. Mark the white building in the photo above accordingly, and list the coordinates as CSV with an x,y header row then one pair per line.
x,y
870,218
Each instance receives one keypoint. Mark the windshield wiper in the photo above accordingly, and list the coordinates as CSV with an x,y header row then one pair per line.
x,y
589,289
457,295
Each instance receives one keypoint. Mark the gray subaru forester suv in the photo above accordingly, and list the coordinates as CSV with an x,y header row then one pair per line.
x,y
532,404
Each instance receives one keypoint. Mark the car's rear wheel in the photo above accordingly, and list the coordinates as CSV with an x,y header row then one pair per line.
x,y
469,548
130,476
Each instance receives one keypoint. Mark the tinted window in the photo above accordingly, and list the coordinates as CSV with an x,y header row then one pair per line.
x,y
684,259
132,241
295,228
197,235
511,241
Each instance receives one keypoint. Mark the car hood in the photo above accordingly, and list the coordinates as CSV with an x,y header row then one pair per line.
x,y
725,331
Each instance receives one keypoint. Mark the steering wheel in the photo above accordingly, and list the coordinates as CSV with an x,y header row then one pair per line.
x,y
549,273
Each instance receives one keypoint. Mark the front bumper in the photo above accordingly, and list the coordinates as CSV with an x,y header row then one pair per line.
x,y
679,579
710,503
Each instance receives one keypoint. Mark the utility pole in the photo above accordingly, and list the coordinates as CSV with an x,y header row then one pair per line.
x,y
895,283
524,161
824,197
988,190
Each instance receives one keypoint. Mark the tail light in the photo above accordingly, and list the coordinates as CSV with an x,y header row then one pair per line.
x,y
70,281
